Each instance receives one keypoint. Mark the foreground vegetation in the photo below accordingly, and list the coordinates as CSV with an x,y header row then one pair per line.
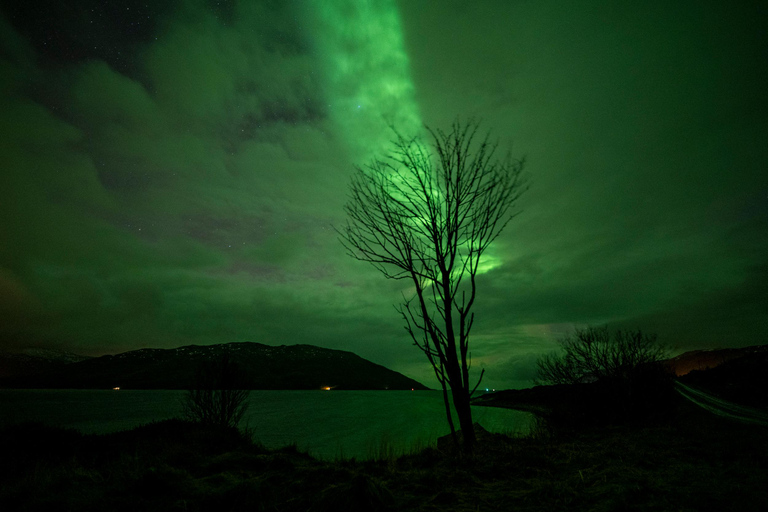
x,y
693,461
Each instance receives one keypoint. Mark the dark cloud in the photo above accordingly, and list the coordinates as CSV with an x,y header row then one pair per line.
x,y
63,33
732,316
172,172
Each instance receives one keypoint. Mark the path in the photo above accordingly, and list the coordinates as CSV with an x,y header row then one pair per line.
x,y
722,407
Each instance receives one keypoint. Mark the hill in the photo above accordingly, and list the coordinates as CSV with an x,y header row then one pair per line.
x,y
265,367
700,360
35,360
742,379
735,374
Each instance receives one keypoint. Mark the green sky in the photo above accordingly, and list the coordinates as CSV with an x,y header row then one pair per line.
x,y
172,175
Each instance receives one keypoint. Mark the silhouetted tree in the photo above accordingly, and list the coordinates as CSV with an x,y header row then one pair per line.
x,y
427,215
595,353
620,373
217,395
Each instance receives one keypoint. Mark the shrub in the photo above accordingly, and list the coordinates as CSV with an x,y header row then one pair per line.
x,y
617,375
595,353
217,396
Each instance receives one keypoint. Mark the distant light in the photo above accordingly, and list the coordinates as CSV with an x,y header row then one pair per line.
x,y
486,389
327,388
411,389
116,388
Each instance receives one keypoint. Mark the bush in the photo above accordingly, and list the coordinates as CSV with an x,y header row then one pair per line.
x,y
618,375
217,396
595,353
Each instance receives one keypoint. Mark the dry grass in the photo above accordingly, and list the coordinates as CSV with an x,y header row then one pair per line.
x,y
693,462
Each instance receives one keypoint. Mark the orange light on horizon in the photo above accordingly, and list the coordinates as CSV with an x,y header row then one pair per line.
x,y
116,388
327,388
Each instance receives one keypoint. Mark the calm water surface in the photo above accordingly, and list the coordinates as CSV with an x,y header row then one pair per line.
x,y
326,423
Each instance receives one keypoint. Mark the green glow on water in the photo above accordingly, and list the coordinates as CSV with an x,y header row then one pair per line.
x,y
327,424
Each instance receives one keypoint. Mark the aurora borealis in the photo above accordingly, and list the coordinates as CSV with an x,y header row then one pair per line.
x,y
172,174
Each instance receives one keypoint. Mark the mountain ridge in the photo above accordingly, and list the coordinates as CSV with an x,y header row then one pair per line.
x,y
35,360
704,359
264,367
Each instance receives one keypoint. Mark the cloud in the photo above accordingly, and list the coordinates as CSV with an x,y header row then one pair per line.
x,y
179,183
157,207
732,316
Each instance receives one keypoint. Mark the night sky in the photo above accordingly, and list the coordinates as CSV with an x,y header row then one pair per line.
x,y
171,174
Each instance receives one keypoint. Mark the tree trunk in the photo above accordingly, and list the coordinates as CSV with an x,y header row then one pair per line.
x,y
448,413
464,412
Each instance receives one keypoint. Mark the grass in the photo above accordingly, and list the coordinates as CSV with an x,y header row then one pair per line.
x,y
691,462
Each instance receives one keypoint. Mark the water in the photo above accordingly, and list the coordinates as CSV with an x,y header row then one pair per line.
x,y
328,424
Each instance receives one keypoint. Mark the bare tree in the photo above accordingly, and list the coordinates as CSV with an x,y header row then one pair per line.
x,y
217,396
620,375
426,215
595,353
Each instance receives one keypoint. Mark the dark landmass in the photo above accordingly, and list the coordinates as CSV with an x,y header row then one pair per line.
x,y
694,461
707,359
735,375
32,361
540,400
743,379
263,366
682,458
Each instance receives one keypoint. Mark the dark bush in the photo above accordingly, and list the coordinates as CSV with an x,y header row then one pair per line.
x,y
218,396
595,353
616,376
